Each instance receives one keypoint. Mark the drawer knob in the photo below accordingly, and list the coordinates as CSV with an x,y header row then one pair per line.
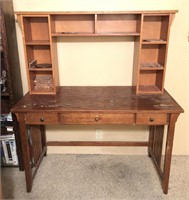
x,y
151,119
96,118
42,119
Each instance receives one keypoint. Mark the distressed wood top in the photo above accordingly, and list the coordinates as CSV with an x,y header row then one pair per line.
x,y
120,99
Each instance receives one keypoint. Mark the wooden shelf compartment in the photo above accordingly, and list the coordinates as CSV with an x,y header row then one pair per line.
x,y
72,24
151,81
96,25
150,29
154,53
36,28
149,89
41,82
155,27
127,24
40,53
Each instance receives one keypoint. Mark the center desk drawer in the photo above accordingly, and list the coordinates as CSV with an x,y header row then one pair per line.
x,y
42,118
96,118
152,119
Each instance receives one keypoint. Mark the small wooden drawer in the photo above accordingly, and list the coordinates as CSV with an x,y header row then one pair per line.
x,y
96,118
41,118
152,119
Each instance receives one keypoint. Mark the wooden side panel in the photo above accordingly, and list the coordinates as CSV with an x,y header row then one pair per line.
x,y
36,146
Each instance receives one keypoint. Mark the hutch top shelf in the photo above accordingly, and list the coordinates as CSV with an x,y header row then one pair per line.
x,y
150,30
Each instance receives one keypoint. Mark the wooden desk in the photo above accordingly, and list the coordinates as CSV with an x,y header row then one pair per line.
x,y
96,105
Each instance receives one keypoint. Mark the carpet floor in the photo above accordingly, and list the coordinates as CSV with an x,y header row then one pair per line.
x,y
98,177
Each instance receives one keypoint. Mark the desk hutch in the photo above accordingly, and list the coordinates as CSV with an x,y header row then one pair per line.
x,y
150,30
144,103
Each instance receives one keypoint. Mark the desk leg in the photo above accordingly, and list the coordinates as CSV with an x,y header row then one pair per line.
x,y
18,143
25,151
168,152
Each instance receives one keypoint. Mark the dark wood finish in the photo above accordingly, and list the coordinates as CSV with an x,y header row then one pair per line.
x,y
96,143
36,145
18,143
43,139
26,152
106,99
151,119
96,118
98,105
42,118
158,142
168,152
155,145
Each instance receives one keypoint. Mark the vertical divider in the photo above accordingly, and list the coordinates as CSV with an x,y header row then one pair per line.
x,y
25,51
53,49
140,47
166,49
137,52
95,23
50,39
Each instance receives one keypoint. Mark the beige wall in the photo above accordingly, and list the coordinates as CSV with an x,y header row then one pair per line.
x,y
102,61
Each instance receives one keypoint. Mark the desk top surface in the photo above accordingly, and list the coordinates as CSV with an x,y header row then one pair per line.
x,y
104,99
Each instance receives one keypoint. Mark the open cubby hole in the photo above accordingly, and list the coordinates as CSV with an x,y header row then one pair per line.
x,y
155,27
41,81
151,81
123,23
65,24
40,53
153,53
36,28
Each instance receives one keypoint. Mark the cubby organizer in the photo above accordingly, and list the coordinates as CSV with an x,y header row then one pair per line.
x,y
149,29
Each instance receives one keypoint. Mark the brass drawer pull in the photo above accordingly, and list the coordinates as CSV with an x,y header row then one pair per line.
x,y
42,119
151,119
97,118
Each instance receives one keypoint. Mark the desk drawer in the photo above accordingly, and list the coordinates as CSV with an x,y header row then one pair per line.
x,y
96,118
152,119
42,118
